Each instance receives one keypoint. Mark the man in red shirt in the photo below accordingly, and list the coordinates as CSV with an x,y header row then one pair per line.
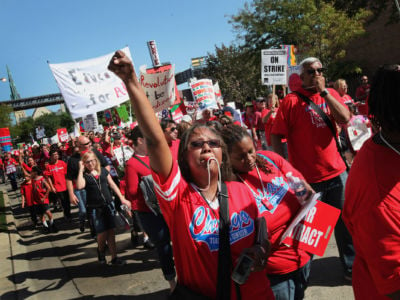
x,y
3,178
55,173
171,135
312,147
362,91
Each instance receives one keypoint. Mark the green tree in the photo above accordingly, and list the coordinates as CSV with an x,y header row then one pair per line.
x,y
237,72
5,115
316,28
51,122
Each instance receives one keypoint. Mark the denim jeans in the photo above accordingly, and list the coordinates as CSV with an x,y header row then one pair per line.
x,y
13,180
333,194
81,195
158,232
290,286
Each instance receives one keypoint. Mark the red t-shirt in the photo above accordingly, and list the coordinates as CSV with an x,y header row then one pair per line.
x,y
362,92
9,165
311,146
57,174
174,148
134,170
372,214
39,190
194,233
283,206
26,190
260,115
251,120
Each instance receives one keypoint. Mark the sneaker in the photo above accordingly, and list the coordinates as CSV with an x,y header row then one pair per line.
x,y
101,256
118,262
148,244
82,227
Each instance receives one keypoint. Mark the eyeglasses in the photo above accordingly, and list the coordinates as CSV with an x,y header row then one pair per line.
x,y
89,161
313,71
210,143
172,129
88,143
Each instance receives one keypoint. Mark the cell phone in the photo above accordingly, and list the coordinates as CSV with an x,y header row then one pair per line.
x,y
262,232
242,269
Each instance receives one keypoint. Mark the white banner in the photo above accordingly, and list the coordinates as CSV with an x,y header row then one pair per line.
x,y
90,122
273,66
159,87
88,86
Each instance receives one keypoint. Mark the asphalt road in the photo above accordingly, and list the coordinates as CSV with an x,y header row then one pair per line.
x,y
64,265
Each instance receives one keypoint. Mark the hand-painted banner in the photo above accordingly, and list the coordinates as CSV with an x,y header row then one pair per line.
x,y
123,113
108,116
203,93
5,139
218,95
88,86
62,135
159,86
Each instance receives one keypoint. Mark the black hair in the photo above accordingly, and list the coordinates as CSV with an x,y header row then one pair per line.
x,y
226,170
233,134
384,98
136,133
165,122
216,125
53,151
37,170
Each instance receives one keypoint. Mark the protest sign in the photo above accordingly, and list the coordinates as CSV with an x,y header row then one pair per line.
x,y
218,95
89,85
90,122
108,116
5,139
123,113
273,66
62,135
159,86
294,80
203,94
40,133
312,227
358,131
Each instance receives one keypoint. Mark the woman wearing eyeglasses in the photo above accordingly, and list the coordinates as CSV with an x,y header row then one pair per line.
x,y
187,191
97,183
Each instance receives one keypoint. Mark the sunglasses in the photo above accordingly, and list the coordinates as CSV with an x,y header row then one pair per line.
x,y
210,143
313,71
86,143
172,129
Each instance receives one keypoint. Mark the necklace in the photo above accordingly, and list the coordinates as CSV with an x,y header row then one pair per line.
x,y
266,203
387,143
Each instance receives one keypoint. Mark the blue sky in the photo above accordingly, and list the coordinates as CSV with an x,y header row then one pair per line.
x,y
34,32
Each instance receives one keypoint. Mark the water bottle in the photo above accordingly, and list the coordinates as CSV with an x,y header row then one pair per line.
x,y
298,186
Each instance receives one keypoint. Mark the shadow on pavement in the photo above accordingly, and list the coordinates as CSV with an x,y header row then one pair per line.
x,y
152,296
332,270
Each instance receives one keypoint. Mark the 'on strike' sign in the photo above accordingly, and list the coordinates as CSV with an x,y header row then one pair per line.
x,y
273,66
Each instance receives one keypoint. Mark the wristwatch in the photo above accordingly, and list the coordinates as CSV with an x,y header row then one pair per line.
x,y
324,93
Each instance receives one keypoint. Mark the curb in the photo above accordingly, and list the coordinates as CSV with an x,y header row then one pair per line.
x,y
7,231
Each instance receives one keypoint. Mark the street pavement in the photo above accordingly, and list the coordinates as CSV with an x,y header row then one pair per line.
x,y
63,265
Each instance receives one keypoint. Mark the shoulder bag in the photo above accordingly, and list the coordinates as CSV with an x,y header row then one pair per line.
x,y
328,122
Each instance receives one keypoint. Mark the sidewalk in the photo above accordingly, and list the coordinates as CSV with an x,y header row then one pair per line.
x,y
64,265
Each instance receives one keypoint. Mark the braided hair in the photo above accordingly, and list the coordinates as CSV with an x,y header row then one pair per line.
x,y
233,134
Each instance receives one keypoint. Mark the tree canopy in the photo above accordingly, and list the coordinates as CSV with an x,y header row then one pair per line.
x,y
316,28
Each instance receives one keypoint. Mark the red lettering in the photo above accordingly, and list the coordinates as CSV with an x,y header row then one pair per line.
x,y
118,91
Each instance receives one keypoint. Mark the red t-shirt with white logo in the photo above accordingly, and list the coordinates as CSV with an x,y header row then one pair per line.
x,y
311,146
57,174
39,190
193,226
372,215
277,203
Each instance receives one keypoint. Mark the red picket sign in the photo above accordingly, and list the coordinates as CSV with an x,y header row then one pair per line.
x,y
62,135
313,232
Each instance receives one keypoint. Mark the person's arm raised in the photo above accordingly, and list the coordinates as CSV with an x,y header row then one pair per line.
x,y
158,150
